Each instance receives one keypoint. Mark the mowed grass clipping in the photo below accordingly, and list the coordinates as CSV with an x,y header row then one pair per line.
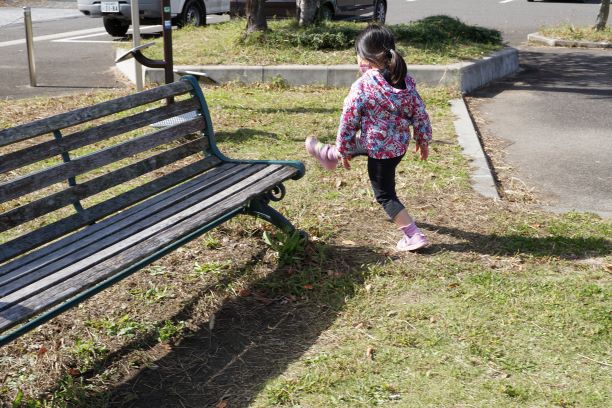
x,y
433,40
577,33
509,307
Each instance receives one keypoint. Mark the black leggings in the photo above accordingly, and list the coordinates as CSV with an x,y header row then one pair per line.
x,y
382,177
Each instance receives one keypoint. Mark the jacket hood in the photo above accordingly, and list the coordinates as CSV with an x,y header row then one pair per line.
x,y
387,97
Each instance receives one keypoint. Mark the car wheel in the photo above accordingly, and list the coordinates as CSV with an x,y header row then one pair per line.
x,y
326,13
115,27
380,11
193,14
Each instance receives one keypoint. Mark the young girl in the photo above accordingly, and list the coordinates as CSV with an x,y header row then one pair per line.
x,y
382,104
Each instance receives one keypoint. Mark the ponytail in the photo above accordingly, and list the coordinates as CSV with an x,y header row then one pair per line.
x,y
397,67
376,44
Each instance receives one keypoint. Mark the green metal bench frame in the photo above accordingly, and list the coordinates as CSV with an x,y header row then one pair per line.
x,y
12,251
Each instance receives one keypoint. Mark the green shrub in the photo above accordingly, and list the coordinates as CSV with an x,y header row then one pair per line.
x,y
433,31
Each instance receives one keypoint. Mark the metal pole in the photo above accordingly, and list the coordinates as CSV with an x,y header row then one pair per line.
x,y
135,8
167,32
27,18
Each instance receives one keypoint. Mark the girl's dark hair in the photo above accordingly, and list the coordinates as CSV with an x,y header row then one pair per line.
x,y
376,44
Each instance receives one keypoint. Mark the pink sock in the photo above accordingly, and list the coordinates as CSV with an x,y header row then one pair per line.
x,y
410,230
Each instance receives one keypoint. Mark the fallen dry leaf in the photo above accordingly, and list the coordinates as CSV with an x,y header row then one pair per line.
x,y
222,404
370,353
73,372
42,350
244,292
308,286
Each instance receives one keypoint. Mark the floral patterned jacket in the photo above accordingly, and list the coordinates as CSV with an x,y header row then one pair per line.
x,y
384,115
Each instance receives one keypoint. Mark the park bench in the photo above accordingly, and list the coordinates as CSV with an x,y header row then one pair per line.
x,y
90,196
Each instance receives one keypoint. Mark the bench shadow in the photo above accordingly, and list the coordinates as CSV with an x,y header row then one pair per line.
x,y
512,244
250,340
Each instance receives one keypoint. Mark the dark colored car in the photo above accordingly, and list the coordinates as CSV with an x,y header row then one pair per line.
x,y
328,10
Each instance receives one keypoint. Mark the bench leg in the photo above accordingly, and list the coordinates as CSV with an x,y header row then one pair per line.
x,y
260,208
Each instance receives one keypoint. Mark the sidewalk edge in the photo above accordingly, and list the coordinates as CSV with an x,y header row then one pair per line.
x,y
553,42
481,176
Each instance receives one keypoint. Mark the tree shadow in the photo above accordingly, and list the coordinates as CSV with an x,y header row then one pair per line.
x,y
569,1
297,109
564,71
250,340
512,244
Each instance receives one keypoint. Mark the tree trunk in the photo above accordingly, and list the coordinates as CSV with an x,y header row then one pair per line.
x,y
256,17
307,11
602,17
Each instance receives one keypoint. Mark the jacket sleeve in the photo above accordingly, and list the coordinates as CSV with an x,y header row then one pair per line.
x,y
420,119
350,120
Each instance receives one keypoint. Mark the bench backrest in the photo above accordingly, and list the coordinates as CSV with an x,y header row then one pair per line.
x,y
67,171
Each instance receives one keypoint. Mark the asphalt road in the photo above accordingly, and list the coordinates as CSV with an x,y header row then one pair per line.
x,y
73,53
62,64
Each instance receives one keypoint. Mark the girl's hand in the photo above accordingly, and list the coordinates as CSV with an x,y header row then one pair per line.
x,y
345,162
424,149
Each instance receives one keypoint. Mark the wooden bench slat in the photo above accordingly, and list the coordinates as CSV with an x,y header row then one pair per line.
x,y
33,154
89,188
141,246
78,116
57,229
83,164
129,226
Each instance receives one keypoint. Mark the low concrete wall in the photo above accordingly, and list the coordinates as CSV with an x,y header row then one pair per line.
x,y
466,76
498,65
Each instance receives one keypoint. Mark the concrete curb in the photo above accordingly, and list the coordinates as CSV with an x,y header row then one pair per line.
x,y
465,76
480,174
553,42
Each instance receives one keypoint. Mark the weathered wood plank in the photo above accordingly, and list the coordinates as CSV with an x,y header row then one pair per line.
x,y
131,226
21,158
180,225
29,183
89,188
78,116
57,229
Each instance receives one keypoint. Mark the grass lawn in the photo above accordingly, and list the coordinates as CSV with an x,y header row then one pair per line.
x,y
573,33
433,40
509,307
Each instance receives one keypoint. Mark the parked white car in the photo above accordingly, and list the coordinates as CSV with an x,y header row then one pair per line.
x,y
117,17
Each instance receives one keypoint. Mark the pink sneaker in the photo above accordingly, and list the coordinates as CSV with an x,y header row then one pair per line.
x,y
326,154
412,243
